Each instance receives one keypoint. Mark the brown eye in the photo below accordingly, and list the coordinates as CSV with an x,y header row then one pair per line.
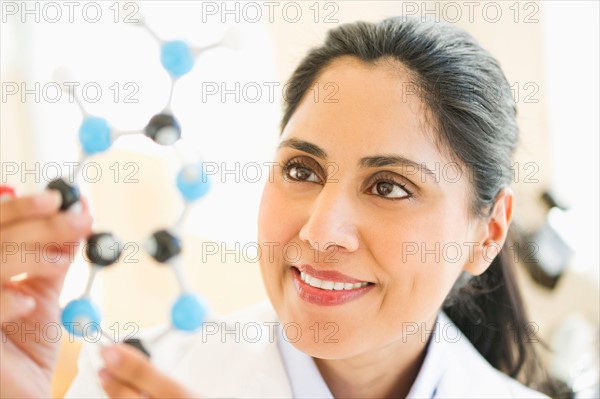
x,y
390,190
299,172
384,188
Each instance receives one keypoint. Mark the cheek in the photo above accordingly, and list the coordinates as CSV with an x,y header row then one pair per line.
x,y
418,261
276,222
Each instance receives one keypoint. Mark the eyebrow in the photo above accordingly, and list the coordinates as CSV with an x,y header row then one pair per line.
x,y
375,161
305,146
379,161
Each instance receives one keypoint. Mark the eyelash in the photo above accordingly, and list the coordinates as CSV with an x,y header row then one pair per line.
x,y
382,178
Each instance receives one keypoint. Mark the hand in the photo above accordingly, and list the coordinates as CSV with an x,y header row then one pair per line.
x,y
37,240
129,374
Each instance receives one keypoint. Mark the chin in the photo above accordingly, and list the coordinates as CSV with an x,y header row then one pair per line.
x,y
325,349
321,333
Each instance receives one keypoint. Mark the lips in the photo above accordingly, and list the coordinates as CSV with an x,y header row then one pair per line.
x,y
329,275
332,293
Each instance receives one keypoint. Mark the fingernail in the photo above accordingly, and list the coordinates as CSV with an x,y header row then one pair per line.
x,y
77,221
26,302
61,260
51,198
110,355
104,376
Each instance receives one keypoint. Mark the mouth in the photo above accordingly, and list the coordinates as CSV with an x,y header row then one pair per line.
x,y
327,288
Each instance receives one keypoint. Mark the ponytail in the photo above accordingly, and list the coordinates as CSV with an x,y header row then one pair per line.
x,y
489,310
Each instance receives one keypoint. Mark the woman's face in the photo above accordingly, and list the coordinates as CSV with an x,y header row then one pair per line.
x,y
356,205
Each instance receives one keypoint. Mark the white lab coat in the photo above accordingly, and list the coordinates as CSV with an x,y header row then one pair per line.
x,y
213,364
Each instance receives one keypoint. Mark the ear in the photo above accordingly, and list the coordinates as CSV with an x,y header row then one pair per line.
x,y
492,233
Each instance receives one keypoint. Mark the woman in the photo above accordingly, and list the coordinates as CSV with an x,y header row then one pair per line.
x,y
379,233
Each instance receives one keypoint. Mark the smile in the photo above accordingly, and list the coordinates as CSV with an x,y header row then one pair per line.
x,y
330,288
329,285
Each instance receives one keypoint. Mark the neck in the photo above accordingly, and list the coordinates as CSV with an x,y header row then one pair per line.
x,y
387,372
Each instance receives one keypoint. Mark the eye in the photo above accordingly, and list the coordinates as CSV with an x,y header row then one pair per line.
x,y
390,189
296,170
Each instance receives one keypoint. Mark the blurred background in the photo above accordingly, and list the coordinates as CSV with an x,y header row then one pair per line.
x,y
230,106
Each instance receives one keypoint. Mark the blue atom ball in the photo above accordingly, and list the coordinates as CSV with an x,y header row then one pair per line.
x,y
81,317
94,135
177,58
188,313
192,182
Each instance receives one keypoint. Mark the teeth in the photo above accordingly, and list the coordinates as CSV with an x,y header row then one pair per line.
x,y
315,282
329,285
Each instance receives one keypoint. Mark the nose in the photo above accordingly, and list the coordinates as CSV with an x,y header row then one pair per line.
x,y
331,222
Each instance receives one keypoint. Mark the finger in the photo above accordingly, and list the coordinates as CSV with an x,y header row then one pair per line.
x,y
14,304
128,364
44,204
64,230
115,388
36,265
42,247
85,206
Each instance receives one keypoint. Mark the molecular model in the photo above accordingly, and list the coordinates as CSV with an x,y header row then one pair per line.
x,y
81,316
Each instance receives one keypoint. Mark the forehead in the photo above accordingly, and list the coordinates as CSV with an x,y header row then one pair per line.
x,y
356,109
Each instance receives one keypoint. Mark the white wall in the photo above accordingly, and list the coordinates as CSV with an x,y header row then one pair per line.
x,y
571,47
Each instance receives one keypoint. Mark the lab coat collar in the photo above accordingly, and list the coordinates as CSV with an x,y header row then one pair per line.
x,y
225,366
452,367
307,382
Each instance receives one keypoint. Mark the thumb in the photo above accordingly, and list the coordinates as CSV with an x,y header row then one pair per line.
x,y
14,304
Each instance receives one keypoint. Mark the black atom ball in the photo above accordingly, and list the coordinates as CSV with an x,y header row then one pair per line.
x,y
163,246
70,194
103,249
163,129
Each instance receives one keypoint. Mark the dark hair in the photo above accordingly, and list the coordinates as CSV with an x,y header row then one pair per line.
x,y
475,120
